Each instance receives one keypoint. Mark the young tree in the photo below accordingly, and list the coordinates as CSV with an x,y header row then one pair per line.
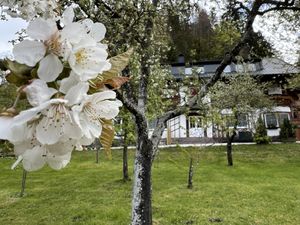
x,y
260,135
235,98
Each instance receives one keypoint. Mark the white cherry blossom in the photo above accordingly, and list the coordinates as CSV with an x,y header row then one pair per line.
x,y
45,49
88,59
93,109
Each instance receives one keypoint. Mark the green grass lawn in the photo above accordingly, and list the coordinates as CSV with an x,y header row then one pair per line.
x,y
263,187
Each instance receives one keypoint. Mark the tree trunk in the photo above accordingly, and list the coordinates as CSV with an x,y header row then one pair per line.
x,y
24,176
125,162
229,148
97,154
142,190
191,173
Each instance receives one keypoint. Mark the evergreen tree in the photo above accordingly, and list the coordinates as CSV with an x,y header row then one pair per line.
x,y
260,136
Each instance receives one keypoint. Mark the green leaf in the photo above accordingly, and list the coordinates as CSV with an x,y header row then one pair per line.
x,y
16,80
18,69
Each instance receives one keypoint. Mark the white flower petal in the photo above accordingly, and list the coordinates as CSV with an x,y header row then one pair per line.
x,y
29,52
98,31
61,148
73,33
77,93
100,96
38,92
87,24
21,147
49,132
67,16
85,42
107,109
94,128
58,162
18,133
50,67
41,29
86,141
71,130
30,114
26,116
5,127
34,159
67,83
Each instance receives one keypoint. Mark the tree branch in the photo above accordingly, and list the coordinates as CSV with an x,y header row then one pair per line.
x,y
278,9
131,106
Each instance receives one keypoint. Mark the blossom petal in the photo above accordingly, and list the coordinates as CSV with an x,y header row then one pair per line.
x,y
61,148
87,24
86,141
18,133
73,32
33,159
41,29
68,82
94,128
38,92
58,162
103,95
29,52
108,109
68,16
5,126
71,130
98,31
49,132
30,114
50,67
77,93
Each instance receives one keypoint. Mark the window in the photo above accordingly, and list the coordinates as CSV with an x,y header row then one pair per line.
x,y
282,116
271,120
195,121
242,120
274,120
275,90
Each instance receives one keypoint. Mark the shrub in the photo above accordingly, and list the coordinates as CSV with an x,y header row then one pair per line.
x,y
286,130
260,136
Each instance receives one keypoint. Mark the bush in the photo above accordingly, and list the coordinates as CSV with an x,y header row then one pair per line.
x,y
260,136
286,130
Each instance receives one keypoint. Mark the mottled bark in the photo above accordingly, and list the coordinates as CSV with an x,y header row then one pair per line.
x,y
125,159
97,155
23,185
142,188
191,173
230,138
229,148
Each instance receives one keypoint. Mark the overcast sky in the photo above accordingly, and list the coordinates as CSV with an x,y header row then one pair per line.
x,y
8,30
287,43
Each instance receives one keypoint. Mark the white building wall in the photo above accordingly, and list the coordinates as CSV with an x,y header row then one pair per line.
x,y
180,130
273,132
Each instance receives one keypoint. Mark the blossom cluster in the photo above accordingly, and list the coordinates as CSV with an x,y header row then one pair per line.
x,y
28,9
64,115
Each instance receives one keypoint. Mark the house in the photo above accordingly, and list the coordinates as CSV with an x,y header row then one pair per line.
x,y
189,128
